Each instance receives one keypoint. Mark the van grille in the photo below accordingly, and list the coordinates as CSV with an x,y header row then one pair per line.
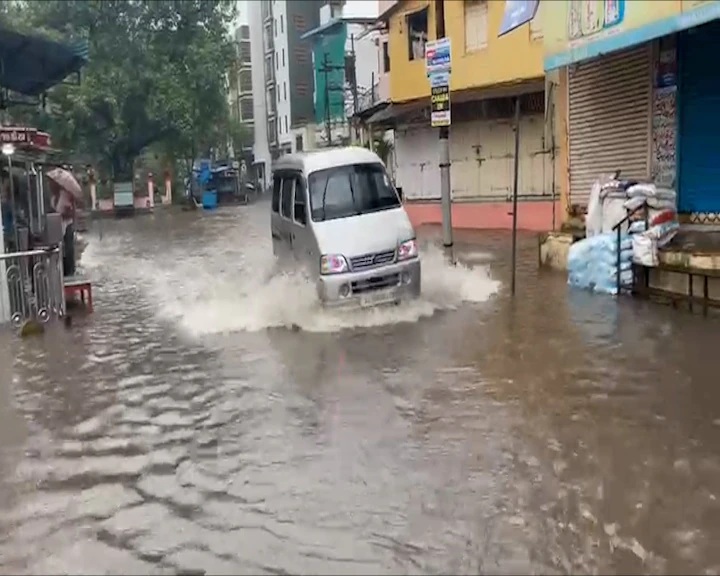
x,y
373,260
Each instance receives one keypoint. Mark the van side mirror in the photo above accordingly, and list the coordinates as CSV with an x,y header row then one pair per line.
x,y
400,193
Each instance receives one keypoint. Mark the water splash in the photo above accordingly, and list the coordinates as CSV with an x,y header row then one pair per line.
x,y
240,288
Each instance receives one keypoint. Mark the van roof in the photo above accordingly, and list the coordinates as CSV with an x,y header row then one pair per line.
x,y
314,160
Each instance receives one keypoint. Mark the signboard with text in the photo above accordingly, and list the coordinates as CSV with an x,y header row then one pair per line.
x,y
517,13
437,64
437,56
440,100
24,137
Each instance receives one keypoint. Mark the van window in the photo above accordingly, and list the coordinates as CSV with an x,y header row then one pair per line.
x,y
349,191
299,209
287,199
276,194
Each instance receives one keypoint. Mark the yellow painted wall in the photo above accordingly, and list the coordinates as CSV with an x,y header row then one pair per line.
x,y
558,27
513,57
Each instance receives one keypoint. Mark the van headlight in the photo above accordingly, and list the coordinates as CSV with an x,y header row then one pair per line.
x,y
407,250
333,264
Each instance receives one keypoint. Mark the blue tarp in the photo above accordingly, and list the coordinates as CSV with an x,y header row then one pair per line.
x,y
32,64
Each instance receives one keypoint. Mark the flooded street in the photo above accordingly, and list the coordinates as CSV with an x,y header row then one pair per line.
x,y
185,427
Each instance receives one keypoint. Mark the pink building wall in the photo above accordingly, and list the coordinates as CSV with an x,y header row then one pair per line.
x,y
536,216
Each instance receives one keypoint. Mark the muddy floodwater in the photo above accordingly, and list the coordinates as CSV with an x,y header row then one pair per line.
x,y
184,427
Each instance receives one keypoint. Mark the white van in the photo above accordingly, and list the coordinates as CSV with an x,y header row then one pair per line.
x,y
336,213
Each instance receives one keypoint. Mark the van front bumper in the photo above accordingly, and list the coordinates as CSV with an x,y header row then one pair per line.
x,y
383,285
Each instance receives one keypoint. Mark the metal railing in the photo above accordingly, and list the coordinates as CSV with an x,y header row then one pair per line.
x,y
618,260
31,286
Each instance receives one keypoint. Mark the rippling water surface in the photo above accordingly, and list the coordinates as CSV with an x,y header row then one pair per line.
x,y
184,428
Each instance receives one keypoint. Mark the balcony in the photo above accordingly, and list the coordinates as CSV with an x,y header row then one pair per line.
x,y
268,43
266,10
271,103
245,81
369,97
244,54
270,69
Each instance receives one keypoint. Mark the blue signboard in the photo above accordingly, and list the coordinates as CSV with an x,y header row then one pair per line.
x,y
517,13
437,56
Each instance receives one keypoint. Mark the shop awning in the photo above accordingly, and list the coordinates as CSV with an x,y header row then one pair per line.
x,y
333,26
30,65
395,111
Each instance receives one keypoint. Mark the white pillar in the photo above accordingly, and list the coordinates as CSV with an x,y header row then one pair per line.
x,y
151,191
93,194
168,189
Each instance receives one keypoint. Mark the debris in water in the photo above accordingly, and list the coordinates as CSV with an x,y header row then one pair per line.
x,y
31,328
638,550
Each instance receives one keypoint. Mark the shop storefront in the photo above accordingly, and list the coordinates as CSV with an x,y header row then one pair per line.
x,y
699,123
482,159
609,111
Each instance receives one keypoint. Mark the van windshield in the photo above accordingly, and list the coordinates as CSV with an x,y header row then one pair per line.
x,y
349,191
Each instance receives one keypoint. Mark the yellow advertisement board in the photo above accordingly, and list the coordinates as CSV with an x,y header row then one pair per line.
x,y
575,30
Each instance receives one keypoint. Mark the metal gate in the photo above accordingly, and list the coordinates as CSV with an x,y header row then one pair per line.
x,y
31,286
610,107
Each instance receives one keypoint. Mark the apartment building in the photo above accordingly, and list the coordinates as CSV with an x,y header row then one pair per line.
x,y
241,81
282,74
488,72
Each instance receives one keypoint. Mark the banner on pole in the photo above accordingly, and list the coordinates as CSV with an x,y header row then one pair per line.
x,y
440,99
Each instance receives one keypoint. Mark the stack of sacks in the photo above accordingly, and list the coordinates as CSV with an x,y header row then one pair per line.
x,y
646,241
592,263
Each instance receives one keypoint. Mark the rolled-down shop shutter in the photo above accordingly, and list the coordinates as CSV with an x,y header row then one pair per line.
x,y
610,101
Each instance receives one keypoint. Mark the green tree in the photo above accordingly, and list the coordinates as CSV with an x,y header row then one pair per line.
x,y
156,76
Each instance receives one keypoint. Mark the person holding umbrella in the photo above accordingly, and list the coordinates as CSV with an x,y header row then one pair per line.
x,y
65,193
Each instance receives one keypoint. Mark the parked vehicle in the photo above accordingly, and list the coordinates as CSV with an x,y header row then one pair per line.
x,y
336,214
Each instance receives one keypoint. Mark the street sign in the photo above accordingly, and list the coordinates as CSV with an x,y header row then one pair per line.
x,y
517,13
437,56
440,99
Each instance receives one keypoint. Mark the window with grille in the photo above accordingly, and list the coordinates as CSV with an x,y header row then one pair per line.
x,y
476,24
417,26
299,22
301,55
246,110
245,81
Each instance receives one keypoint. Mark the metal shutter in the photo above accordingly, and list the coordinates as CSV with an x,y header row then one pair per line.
x,y
610,101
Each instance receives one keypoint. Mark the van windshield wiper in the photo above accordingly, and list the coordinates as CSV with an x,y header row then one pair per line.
x,y
357,211
327,183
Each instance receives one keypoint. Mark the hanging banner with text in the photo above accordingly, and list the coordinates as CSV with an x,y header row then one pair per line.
x,y
440,99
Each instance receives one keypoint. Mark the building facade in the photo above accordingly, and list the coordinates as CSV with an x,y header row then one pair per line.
x,y
488,73
240,93
639,94
346,69
283,77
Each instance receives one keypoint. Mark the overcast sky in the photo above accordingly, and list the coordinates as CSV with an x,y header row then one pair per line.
x,y
352,8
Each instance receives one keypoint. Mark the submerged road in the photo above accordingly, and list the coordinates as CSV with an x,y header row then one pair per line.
x,y
183,428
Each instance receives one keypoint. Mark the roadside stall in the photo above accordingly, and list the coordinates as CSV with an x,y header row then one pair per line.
x,y
32,288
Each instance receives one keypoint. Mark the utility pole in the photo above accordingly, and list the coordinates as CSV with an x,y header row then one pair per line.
x,y
444,141
354,86
516,169
326,69
328,130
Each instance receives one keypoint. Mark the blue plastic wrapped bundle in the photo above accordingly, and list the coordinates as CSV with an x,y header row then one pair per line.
x,y
592,263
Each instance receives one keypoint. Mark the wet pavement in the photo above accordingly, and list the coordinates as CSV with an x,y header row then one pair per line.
x,y
184,428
